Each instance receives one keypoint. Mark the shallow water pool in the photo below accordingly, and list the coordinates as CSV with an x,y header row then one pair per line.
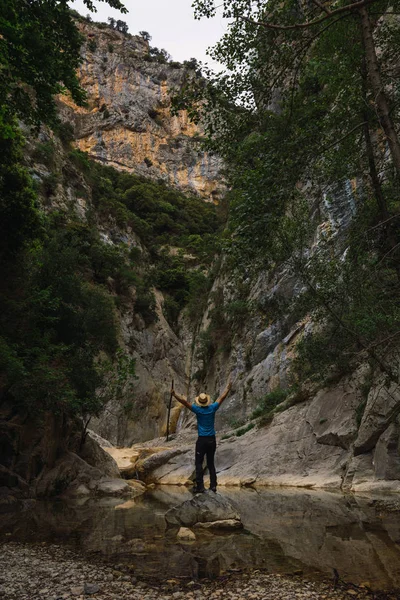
x,y
286,531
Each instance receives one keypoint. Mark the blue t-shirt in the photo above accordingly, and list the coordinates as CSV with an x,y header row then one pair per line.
x,y
205,418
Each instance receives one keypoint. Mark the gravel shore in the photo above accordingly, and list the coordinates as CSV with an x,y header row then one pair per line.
x,y
50,572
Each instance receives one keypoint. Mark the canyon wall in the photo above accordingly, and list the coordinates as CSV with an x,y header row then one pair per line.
x,y
343,437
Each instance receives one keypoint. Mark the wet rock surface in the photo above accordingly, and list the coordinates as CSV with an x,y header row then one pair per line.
x,y
51,572
207,508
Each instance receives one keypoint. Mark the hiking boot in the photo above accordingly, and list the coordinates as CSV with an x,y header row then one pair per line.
x,y
196,490
213,489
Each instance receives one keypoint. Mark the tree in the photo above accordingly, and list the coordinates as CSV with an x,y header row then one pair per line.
x,y
287,34
122,27
53,321
29,30
305,104
145,35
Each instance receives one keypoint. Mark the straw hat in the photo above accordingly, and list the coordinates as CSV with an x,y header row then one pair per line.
x,y
203,400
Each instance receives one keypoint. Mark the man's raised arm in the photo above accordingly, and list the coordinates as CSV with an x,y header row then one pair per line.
x,y
181,399
225,392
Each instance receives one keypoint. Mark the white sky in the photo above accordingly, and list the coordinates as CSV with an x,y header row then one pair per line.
x,y
169,22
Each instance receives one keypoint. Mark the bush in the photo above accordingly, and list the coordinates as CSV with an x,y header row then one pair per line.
x,y
145,305
65,132
44,152
171,311
80,159
235,423
269,403
50,183
237,311
244,430
92,45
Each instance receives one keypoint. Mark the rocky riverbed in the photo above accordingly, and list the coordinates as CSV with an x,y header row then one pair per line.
x,y
52,572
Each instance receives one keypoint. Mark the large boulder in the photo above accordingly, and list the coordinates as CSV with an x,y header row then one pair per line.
x,y
149,464
96,457
382,409
208,508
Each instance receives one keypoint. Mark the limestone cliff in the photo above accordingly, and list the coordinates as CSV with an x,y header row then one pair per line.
x,y
127,122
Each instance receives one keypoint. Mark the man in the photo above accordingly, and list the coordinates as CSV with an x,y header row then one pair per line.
x,y
206,445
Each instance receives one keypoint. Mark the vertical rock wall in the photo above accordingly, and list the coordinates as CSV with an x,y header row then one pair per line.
x,y
127,122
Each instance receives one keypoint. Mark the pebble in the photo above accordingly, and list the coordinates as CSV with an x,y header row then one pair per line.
x,y
52,572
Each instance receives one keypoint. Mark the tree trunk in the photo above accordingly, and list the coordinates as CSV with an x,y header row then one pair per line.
x,y
381,101
376,184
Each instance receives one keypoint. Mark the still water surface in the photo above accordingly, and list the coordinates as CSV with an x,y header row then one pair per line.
x,y
285,531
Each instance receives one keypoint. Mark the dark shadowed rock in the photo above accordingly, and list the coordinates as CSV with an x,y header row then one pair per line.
x,y
205,508
96,457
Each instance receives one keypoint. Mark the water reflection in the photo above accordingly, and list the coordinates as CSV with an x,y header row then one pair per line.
x,y
286,531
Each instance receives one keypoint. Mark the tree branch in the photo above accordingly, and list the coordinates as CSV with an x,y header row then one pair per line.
x,y
343,9
387,254
321,6
343,137
387,339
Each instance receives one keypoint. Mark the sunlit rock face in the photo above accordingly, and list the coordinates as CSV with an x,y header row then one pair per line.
x,y
127,122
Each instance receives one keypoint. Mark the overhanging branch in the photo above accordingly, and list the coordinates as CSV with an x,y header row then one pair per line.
x,y
343,9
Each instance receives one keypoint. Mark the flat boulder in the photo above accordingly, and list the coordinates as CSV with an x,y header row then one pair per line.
x,y
207,508
113,487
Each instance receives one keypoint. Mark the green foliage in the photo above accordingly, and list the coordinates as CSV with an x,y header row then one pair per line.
x,y
295,116
244,430
162,217
49,184
118,378
159,214
236,423
55,323
57,318
360,412
145,303
320,357
80,159
355,303
92,45
44,152
40,55
222,326
20,220
269,402
65,131
237,311
199,285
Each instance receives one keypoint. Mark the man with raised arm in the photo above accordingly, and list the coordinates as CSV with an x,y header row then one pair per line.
x,y
206,444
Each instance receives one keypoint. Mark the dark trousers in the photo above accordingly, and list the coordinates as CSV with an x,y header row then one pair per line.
x,y
205,446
